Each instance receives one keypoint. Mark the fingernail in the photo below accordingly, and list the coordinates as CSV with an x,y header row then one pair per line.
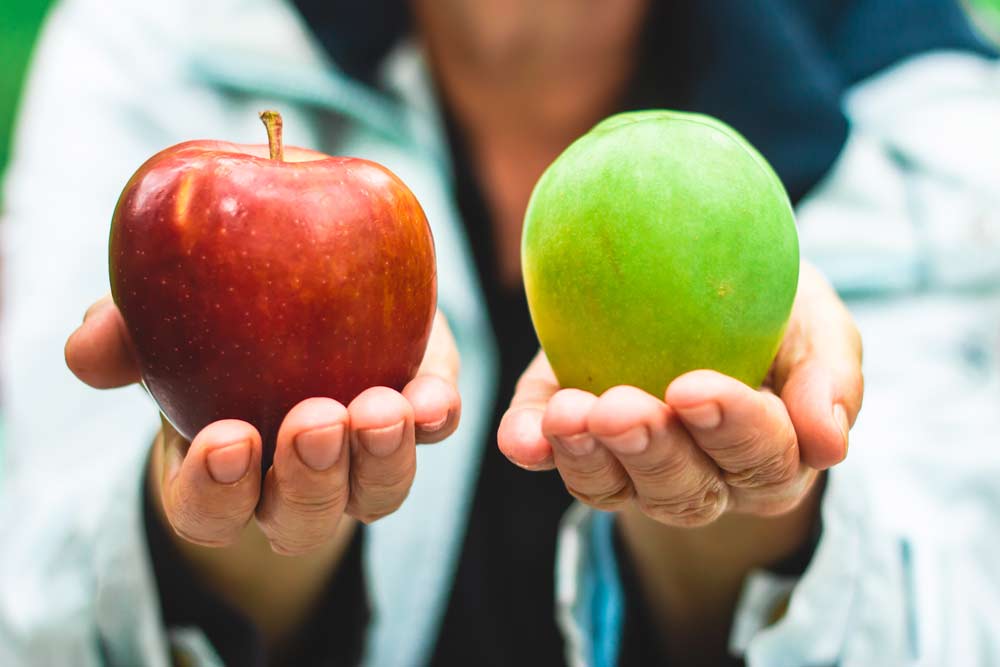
x,y
229,464
319,448
705,416
632,441
434,425
382,441
840,417
580,444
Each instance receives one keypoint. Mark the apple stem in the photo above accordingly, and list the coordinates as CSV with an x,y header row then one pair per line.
x,y
272,121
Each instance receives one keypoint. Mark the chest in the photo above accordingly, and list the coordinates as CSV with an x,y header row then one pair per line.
x,y
507,173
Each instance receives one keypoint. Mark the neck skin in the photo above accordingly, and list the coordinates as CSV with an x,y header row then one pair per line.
x,y
516,66
523,79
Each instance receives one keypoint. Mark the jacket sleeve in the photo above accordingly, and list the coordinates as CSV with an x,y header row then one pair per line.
x,y
108,88
913,202
101,91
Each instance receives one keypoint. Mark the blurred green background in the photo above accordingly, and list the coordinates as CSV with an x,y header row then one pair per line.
x,y
20,20
987,15
19,23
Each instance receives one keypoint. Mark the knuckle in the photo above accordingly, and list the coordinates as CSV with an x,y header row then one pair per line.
x,y
313,506
209,525
746,444
378,490
668,467
287,541
204,535
775,500
377,478
595,475
369,514
299,529
700,506
370,501
609,498
774,468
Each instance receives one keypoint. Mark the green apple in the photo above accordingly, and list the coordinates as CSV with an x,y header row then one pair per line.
x,y
658,243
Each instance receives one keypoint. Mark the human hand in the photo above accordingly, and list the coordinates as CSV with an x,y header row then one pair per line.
x,y
330,460
712,444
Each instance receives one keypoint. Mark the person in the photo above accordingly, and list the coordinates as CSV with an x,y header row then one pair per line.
x,y
724,540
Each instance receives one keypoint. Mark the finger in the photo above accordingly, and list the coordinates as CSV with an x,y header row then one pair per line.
x,y
748,434
591,473
305,491
520,434
437,407
99,352
383,453
818,371
433,393
675,482
210,488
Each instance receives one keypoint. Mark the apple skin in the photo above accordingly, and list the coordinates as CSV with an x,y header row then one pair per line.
x,y
658,243
248,284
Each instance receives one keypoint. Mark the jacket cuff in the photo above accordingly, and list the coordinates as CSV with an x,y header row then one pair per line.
x,y
599,604
589,598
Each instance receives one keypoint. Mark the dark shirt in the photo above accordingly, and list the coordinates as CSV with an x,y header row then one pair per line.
x,y
333,635
774,69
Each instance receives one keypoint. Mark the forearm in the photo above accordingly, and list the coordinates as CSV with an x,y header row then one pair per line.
x,y
274,591
692,577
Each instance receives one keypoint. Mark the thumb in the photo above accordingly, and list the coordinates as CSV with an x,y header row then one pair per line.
x,y
818,371
520,436
99,352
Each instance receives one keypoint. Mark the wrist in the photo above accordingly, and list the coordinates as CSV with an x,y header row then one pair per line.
x,y
691,578
275,592
734,543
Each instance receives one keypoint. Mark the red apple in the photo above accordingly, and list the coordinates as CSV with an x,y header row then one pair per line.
x,y
251,277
